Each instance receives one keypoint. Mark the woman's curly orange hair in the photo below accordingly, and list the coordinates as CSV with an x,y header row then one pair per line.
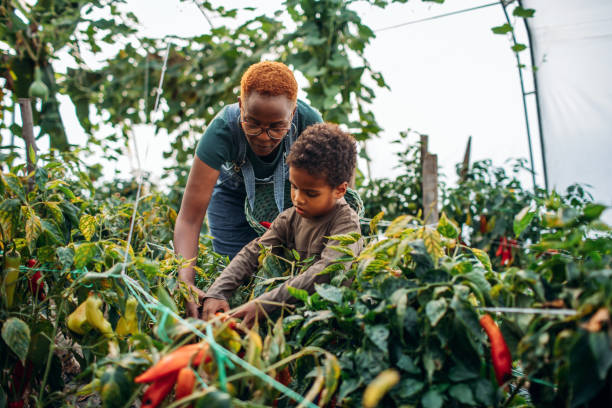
x,y
269,78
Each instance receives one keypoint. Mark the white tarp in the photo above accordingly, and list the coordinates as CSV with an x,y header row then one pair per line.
x,y
572,45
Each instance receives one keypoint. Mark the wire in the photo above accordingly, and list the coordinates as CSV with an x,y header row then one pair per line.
x,y
436,17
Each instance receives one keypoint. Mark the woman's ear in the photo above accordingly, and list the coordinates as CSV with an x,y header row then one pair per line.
x,y
340,190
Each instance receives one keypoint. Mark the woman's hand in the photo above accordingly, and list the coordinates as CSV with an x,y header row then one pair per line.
x,y
212,306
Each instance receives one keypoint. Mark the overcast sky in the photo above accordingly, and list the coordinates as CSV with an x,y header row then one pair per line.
x,y
450,78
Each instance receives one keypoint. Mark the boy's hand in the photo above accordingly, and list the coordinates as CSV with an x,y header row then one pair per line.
x,y
212,306
249,313
191,308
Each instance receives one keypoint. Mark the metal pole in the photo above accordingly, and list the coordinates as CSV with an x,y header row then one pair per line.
x,y
537,99
520,71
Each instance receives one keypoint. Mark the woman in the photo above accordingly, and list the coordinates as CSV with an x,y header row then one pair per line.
x,y
245,144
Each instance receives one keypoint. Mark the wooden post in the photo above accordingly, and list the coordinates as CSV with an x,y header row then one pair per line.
x,y
430,188
465,167
429,175
27,132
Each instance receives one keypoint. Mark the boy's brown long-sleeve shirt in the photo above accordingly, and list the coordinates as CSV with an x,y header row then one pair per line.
x,y
292,231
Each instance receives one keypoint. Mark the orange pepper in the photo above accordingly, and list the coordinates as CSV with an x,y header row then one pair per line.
x,y
184,384
174,361
157,391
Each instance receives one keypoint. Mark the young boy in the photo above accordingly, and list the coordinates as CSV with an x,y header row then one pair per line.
x,y
321,163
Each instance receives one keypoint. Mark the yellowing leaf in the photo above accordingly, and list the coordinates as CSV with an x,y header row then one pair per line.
x,y
374,222
433,243
84,253
33,225
87,225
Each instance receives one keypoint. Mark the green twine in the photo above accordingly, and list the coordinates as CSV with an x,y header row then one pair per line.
x,y
219,358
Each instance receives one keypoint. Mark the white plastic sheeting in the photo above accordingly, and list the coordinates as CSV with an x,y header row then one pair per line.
x,y
572,45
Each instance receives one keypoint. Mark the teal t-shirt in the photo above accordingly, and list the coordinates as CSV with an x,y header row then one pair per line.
x,y
216,148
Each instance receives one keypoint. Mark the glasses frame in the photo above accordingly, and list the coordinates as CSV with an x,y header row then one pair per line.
x,y
266,129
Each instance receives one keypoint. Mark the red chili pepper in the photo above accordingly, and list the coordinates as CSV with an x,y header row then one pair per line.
x,y
500,354
157,391
505,250
21,378
16,404
174,361
266,224
37,286
284,376
483,224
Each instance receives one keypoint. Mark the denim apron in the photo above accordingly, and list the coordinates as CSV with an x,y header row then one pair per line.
x,y
236,183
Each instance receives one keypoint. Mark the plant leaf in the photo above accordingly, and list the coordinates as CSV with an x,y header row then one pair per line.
x,y
87,225
299,294
16,335
447,228
435,310
523,12
374,222
502,29
84,253
522,220
483,257
329,293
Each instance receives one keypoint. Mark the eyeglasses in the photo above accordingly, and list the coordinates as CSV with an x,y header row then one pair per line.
x,y
276,132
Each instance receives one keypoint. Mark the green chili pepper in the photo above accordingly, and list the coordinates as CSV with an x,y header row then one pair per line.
x,y
12,260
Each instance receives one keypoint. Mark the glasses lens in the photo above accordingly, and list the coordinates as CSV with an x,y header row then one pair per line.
x,y
278,133
251,130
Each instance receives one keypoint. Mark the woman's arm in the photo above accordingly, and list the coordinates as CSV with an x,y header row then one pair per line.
x,y
200,184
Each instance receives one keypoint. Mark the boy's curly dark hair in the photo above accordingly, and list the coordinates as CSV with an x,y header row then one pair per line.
x,y
324,149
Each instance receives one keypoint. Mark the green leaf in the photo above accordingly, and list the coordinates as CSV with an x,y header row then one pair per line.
x,y
51,230
16,335
435,310
408,387
84,253
2,398
329,293
502,29
379,334
14,184
523,12
447,228
299,294
518,47
341,249
87,225
406,363
432,399
346,238
374,222
593,211
600,347
522,220
483,257
65,256
462,393
484,392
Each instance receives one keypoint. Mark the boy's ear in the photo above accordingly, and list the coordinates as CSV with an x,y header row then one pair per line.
x,y
340,190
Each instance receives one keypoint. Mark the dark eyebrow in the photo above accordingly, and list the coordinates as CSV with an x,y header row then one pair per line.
x,y
249,118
